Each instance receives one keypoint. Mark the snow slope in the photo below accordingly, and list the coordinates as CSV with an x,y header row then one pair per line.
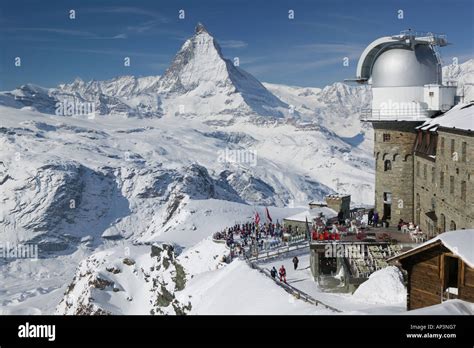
x,y
68,170
136,280
236,289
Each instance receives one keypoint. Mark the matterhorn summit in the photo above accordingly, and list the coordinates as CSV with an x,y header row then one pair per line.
x,y
200,81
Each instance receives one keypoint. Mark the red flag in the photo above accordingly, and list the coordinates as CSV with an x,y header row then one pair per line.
x,y
257,218
269,218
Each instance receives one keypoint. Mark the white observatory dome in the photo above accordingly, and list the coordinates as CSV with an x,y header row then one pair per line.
x,y
405,67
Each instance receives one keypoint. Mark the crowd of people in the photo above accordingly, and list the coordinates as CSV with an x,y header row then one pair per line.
x,y
241,236
244,237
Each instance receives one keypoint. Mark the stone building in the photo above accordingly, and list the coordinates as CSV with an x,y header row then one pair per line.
x,y
443,169
393,150
339,202
423,164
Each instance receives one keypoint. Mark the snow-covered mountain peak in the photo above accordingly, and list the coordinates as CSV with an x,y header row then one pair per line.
x,y
201,81
198,62
200,28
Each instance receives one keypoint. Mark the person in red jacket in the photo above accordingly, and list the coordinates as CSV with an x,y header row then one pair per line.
x,y
282,273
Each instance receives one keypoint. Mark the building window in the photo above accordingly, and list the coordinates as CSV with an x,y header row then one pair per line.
x,y
386,137
433,175
418,169
441,146
387,206
451,185
463,191
442,223
452,226
425,170
452,147
441,180
387,165
463,151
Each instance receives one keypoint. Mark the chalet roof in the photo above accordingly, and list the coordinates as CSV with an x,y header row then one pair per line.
x,y
460,243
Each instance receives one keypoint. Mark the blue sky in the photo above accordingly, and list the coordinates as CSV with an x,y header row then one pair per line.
x,y
305,51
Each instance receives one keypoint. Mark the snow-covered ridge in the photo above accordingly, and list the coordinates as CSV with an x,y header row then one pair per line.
x,y
68,171
127,280
198,82
463,76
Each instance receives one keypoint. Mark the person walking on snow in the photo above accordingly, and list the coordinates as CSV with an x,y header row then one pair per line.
x,y
295,262
273,272
282,273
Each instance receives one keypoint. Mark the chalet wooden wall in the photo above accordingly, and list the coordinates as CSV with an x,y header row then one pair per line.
x,y
466,287
424,282
426,278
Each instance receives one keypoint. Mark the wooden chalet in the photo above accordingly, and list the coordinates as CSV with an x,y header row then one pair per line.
x,y
440,269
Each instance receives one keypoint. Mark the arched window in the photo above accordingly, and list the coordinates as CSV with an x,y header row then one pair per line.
x,y
442,223
408,157
387,165
452,226
395,157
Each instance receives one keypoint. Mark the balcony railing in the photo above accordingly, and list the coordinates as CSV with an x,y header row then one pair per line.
x,y
406,114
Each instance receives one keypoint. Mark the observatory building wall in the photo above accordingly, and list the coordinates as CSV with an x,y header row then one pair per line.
x,y
394,169
444,197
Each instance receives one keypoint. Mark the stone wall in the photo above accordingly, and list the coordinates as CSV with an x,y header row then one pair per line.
x,y
338,203
398,178
425,196
454,210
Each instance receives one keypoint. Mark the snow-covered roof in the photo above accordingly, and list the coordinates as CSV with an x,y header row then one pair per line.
x,y
460,243
460,116
312,214
451,307
337,195
322,203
